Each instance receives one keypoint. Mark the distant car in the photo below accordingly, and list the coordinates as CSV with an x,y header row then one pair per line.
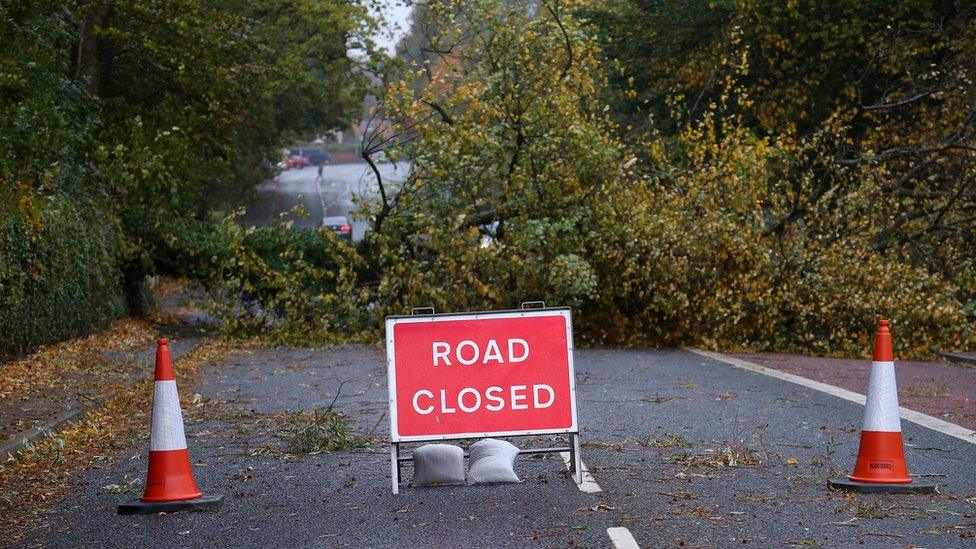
x,y
339,225
320,158
299,161
287,163
317,157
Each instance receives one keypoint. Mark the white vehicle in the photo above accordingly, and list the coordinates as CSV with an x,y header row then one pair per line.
x,y
338,224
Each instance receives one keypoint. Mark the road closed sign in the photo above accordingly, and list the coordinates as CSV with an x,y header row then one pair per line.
x,y
502,373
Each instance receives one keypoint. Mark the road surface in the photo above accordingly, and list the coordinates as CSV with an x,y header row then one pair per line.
x,y
335,194
686,450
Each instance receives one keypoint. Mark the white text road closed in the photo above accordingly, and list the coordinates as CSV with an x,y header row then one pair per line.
x,y
469,400
473,375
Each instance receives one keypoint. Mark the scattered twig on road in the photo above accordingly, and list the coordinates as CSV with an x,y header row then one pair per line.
x,y
884,535
662,400
94,401
671,441
947,450
618,400
679,495
338,392
849,522
375,425
791,445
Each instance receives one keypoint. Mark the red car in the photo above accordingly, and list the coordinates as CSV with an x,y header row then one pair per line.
x,y
294,161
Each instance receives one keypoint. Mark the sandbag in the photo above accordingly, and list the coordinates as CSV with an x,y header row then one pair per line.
x,y
492,461
438,464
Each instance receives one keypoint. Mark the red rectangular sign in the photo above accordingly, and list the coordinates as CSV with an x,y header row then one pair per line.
x,y
481,374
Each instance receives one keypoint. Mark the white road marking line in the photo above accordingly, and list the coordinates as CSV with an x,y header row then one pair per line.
x,y
588,485
318,188
621,538
924,420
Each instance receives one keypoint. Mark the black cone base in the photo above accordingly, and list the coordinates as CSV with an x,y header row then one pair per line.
x,y
205,503
873,488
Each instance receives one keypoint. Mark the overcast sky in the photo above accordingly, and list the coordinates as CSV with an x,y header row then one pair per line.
x,y
397,22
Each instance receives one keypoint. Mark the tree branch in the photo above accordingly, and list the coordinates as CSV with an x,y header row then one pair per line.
x,y
569,43
896,104
367,152
446,118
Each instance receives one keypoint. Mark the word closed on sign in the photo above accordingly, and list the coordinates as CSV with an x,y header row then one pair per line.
x,y
480,374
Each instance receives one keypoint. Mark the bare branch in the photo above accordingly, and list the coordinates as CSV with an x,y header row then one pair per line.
x,y
569,43
446,118
367,152
896,104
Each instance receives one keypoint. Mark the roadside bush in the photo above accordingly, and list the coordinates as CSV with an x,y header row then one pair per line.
x,y
60,273
159,112
687,256
287,285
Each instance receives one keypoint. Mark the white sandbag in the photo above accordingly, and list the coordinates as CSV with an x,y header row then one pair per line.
x,y
492,461
438,464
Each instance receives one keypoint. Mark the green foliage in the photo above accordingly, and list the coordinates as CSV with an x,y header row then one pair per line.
x,y
704,230
193,123
287,285
321,430
60,266
694,260
735,198
148,116
60,273
742,174
498,205
967,288
44,113
672,441
655,48
871,103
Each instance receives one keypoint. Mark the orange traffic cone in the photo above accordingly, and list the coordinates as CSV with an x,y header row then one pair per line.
x,y
880,463
170,485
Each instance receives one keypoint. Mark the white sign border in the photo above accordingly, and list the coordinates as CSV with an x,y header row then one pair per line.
x,y
392,321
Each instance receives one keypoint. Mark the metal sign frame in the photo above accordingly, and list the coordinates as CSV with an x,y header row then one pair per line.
x,y
573,449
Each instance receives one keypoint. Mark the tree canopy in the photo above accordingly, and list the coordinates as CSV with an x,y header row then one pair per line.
x,y
733,173
737,173
144,116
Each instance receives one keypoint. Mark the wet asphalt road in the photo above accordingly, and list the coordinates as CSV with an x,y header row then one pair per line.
x,y
335,194
660,431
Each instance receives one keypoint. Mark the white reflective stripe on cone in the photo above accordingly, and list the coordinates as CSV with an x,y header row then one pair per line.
x,y
881,409
167,419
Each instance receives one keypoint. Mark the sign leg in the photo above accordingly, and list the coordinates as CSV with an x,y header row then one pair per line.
x,y
572,455
577,460
399,464
395,467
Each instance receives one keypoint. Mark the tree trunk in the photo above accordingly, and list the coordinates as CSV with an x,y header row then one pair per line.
x,y
87,69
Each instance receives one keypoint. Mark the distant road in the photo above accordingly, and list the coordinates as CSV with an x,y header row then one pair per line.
x,y
334,196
